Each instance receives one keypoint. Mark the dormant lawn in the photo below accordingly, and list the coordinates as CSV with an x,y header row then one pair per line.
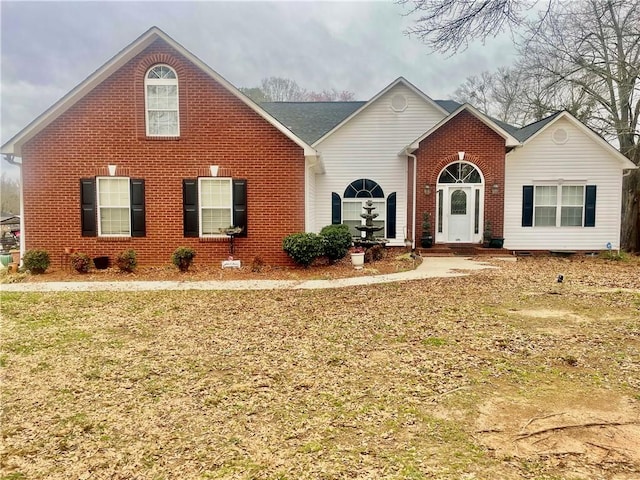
x,y
504,374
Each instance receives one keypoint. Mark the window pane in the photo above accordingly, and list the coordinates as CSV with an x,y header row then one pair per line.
x,y
458,203
113,192
545,216
215,193
351,215
546,196
163,123
213,219
573,195
114,221
571,217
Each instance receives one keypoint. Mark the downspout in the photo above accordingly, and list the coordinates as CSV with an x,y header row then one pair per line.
x,y
413,198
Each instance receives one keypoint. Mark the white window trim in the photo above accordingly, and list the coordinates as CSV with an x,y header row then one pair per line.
x,y
161,81
99,207
558,205
200,208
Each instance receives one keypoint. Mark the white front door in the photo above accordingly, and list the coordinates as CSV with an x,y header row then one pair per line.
x,y
460,215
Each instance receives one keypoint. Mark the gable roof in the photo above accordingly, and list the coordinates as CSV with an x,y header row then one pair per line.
x,y
14,145
531,131
311,120
510,139
365,105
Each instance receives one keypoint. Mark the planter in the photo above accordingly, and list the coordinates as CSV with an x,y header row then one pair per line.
x,y
357,259
101,263
426,242
6,259
496,243
15,256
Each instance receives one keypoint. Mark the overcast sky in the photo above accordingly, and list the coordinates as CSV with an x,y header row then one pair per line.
x,y
50,47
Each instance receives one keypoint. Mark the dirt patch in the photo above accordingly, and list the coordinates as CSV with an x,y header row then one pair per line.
x,y
577,431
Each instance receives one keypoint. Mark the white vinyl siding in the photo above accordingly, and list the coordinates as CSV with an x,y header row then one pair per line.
x,y
215,205
578,162
114,206
368,146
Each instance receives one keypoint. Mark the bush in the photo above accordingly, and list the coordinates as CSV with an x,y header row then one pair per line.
x,y
374,254
127,261
182,258
36,261
80,262
303,248
337,241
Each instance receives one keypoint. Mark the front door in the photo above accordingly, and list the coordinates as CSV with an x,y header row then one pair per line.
x,y
459,215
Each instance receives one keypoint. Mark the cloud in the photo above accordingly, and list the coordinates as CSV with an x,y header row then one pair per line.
x,y
50,47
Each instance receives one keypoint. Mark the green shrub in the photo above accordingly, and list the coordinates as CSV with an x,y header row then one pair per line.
x,y
182,257
337,241
36,261
303,248
127,261
80,262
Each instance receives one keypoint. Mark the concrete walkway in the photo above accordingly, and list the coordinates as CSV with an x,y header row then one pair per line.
x,y
431,267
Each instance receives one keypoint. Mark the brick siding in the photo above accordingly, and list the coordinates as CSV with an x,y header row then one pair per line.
x,y
107,127
482,146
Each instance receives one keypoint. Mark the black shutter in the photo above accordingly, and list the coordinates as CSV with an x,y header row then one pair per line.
x,y
190,207
527,205
240,205
88,207
336,209
138,222
391,215
590,206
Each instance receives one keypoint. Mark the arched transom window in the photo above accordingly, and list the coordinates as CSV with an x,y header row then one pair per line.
x,y
460,172
161,100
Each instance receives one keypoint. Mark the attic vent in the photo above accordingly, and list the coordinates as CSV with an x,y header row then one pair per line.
x,y
560,136
398,103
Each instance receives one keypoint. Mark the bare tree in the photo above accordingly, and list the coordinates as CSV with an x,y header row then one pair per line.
x,y
277,89
9,194
592,49
450,25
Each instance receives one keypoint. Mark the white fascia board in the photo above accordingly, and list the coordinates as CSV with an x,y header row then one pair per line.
x,y
399,80
13,146
626,164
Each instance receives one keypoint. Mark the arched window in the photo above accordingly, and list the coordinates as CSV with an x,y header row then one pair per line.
x,y
460,172
161,100
354,198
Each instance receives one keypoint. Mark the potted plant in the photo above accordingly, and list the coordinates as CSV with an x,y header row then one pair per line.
x,y
488,240
426,241
357,257
486,234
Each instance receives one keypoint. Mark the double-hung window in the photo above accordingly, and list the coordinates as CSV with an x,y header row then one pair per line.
x,y
161,99
210,204
559,206
112,207
216,207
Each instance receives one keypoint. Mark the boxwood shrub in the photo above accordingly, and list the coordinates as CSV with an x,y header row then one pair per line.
x,y
36,261
303,248
337,241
